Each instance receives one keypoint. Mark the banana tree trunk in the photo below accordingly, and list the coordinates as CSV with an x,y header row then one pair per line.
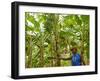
x,y
30,53
41,51
56,33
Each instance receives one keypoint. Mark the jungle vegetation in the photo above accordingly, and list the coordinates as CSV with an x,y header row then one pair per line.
x,y
53,35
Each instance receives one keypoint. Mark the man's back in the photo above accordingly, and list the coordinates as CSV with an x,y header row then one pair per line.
x,y
76,60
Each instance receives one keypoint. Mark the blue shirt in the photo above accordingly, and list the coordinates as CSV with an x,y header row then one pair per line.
x,y
76,60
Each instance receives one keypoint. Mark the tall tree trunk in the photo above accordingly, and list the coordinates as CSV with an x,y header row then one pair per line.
x,y
57,51
82,37
41,51
51,50
56,33
30,53
41,56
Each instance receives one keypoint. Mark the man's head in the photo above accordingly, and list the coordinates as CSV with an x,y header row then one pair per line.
x,y
74,50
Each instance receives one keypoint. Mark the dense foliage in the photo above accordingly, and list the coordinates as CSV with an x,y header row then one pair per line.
x,y
53,35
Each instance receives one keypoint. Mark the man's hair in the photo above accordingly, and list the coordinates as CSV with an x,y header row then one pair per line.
x,y
74,48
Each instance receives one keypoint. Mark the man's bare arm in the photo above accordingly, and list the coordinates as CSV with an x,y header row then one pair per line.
x,y
60,58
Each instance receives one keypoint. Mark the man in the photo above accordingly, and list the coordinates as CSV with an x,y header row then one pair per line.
x,y
76,58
